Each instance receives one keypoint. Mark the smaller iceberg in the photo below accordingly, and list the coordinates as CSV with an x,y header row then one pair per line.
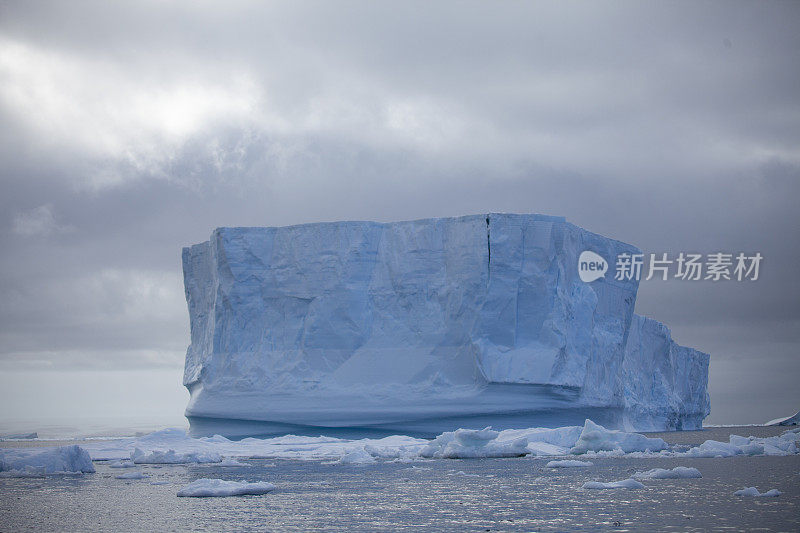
x,y
785,421
58,460
629,483
171,457
752,491
679,472
205,488
596,438
472,443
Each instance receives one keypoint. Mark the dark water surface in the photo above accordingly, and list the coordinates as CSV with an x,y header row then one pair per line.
x,y
442,495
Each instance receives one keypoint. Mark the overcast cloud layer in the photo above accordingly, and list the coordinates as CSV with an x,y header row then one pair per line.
x,y
130,130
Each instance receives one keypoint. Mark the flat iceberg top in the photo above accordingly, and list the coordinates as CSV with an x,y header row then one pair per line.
x,y
378,325
313,225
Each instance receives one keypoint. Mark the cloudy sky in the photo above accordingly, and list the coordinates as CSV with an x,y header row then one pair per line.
x,y
130,130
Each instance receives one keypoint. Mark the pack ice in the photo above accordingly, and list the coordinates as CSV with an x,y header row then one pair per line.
x,y
422,327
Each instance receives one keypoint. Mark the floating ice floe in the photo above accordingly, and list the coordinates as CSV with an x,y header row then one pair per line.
x,y
132,475
231,461
357,456
752,491
568,463
472,443
587,441
122,464
679,472
20,436
629,483
596,438
203,488
462,443
787,443
28,462
171,457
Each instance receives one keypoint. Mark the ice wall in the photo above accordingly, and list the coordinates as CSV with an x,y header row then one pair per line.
x,y
424,326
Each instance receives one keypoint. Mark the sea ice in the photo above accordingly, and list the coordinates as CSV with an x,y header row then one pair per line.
x,y
206,487
132,475
588,439
231,461
629,483
679,472
568,463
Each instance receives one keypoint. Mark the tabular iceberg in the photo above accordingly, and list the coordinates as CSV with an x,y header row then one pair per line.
x,y
422,327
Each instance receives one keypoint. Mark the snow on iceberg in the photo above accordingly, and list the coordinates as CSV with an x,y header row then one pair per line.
x,y
425,326
629,483
752,491
204,488
596,438
568,463
25,462
679,472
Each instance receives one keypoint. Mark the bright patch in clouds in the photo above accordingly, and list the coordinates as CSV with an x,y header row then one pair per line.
x,y
108,111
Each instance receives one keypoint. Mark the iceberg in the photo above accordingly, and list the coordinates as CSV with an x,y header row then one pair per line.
x,y
424,327
28,462
752,491
785,421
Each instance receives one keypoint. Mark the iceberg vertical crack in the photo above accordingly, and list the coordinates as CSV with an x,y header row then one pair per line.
x,y
488,247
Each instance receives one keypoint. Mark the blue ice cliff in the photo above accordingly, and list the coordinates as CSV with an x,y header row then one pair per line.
x,y
425,326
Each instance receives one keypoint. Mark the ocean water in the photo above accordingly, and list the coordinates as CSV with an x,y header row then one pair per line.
x,y
518,494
